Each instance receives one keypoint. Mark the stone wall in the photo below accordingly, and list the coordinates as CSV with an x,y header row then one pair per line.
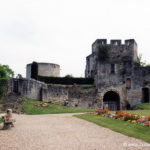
x,y
56,94
75,96
83,98
69,95
27,88
134,97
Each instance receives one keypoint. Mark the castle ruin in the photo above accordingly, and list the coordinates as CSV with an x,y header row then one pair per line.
x,y
119,81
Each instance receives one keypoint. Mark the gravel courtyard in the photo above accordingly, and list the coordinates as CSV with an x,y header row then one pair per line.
x,y
63,132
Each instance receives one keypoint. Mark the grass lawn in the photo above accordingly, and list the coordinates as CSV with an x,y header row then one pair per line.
x,y
143,106
139,112
144,109
29,108
1,120
127,128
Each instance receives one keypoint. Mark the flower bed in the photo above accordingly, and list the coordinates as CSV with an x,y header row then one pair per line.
x,y
42,104
133,118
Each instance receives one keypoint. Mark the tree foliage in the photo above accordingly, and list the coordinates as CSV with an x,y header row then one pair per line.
x,y
141,63
69,76
5,74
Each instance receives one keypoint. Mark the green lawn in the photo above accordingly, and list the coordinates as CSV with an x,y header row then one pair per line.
x,y
29,108
1,120
127,128
143,109
145,106
139,112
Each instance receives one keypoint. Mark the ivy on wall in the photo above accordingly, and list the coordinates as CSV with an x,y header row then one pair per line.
x,y
103,52
34,70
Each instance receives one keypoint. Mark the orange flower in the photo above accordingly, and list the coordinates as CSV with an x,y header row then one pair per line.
x,y
148,118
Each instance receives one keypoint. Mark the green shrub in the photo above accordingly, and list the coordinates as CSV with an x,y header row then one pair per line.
x,y
66,81
87,86
20,101
69,76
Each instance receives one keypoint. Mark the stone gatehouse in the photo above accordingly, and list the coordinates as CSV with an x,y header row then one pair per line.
x,y
120,80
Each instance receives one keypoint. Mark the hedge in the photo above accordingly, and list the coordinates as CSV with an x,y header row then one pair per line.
x,y
65,80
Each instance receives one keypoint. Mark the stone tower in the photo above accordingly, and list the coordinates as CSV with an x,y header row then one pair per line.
x,y
113,66
44,69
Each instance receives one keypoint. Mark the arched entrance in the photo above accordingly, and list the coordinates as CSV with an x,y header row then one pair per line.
x,y
145,95
111,100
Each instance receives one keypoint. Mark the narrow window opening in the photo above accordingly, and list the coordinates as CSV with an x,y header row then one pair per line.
x,y
112,68
128,83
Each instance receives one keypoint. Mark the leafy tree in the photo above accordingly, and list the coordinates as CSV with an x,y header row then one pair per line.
x,y
5,74
140,63
9,72
69,76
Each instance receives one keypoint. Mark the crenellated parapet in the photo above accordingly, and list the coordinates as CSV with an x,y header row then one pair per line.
x,y
117,48
115,42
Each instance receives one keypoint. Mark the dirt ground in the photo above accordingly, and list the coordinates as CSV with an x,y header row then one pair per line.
x,y
63,132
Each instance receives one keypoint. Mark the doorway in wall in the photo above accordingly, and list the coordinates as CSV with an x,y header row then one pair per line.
x,y
15,86
145,95
111,100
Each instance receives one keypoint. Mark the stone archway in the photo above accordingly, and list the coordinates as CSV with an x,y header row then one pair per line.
x,y
111,100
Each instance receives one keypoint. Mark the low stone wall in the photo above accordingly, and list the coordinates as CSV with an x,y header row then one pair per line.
x,y
69,95
27,88
56,94
83,98
134,97
75,96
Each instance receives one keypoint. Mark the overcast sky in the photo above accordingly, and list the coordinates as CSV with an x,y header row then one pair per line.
x,y
62,31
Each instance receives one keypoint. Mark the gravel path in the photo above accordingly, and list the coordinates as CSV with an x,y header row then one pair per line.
x,y
63,132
